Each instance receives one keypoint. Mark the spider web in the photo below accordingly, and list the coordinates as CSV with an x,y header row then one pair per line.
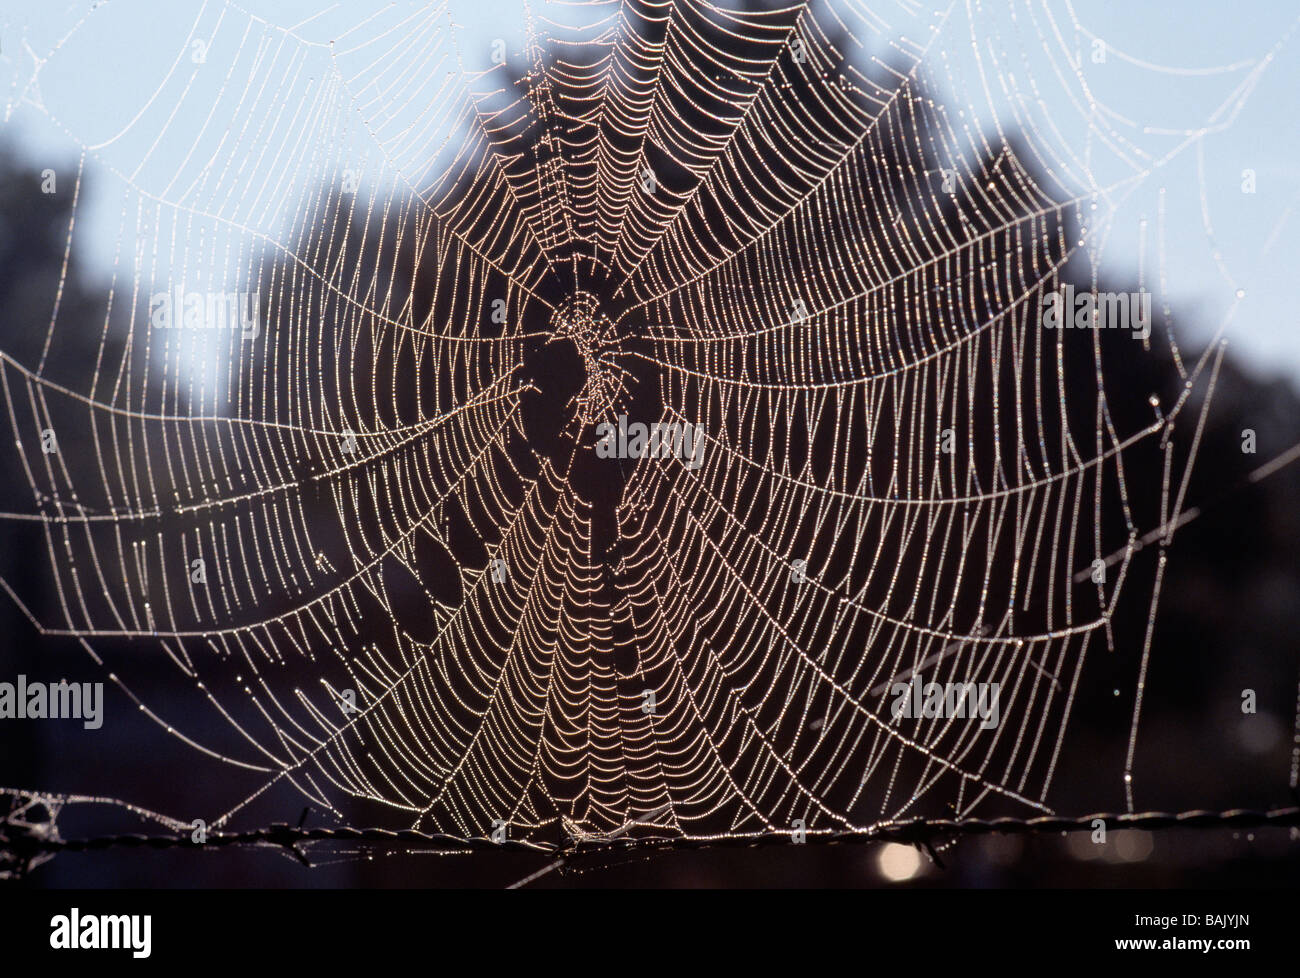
x,y
426,603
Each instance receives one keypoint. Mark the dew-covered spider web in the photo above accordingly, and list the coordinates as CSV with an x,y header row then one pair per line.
x,y
358,548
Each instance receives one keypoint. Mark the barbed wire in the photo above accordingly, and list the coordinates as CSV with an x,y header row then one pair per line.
x,y
23,847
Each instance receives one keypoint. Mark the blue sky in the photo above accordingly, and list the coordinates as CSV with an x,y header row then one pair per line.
x,y
1188,97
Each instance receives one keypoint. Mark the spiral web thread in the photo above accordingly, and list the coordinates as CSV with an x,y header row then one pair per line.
x,y
828,269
